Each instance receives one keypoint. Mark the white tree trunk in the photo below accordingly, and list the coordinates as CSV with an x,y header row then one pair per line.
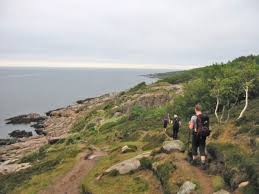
x,y
246,104
216,109
222,115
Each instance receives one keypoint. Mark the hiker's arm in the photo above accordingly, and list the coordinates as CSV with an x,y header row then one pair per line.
x,y
192,123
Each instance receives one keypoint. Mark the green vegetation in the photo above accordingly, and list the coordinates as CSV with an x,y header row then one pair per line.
x,y
163,173
34,178
218,183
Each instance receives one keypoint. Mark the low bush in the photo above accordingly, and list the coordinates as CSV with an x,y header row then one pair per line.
x,y
163,174
146,163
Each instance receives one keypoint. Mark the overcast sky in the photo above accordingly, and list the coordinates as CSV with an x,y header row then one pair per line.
x,y
123,33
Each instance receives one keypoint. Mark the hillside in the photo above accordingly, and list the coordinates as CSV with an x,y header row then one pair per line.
x,y
95,135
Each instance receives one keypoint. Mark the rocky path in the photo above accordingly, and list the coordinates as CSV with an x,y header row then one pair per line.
x,y
200,176
70,182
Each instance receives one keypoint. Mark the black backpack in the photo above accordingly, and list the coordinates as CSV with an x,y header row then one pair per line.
x,y
203,122
176,124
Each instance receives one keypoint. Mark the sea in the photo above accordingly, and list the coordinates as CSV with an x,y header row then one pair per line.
x,y
25,90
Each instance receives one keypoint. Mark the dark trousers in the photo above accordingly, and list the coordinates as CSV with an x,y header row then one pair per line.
x,y
175,133
198,141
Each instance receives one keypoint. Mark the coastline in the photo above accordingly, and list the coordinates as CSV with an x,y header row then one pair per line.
x,y
57,126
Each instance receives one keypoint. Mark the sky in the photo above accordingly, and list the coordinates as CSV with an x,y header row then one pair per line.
x,y
127,33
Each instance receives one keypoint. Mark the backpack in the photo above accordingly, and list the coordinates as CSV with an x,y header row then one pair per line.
x,y
203,125
176,124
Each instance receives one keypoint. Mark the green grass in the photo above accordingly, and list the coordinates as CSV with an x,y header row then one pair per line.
x,y
52,163
217,183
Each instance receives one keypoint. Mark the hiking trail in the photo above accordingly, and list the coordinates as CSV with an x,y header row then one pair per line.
x,y
203,179
70,182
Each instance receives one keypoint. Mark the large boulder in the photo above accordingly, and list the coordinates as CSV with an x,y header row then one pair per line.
x,y
20,133
174,145
25,119
187,188
129,165
222,191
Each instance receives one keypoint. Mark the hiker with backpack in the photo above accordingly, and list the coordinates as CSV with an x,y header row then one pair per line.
x,y
176,126
199,125
166,121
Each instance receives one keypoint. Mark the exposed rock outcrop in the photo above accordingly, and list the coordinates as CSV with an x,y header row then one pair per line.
x,y
6,168
20,133
41,132
26,118
8,141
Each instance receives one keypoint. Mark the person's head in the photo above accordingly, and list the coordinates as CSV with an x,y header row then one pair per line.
x,y
175,116
197,108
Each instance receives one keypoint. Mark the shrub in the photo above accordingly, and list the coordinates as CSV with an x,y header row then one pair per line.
x,y
141,85
146,163
163,174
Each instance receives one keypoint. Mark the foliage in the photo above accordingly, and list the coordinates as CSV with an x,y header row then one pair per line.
x,y
146,163
138,87
163,174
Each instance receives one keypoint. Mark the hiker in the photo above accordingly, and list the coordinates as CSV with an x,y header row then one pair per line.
x,y
199,124
176,126
166,121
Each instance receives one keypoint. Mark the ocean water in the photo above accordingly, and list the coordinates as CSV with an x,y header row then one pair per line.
x,y
26,90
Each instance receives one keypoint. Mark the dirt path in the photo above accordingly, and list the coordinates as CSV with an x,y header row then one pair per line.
x,y
200,176
70,182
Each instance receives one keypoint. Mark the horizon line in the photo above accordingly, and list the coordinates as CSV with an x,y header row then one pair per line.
x,y
71,64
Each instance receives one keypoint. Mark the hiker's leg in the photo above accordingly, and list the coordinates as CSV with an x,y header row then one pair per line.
x,y
176,135
202,149
194,147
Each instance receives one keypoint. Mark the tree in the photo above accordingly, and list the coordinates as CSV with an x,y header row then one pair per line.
x,y
248,78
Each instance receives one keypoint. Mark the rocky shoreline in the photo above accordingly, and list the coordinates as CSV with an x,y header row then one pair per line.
x,y
49,129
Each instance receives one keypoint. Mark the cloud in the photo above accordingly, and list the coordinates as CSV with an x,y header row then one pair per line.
x,y
151,32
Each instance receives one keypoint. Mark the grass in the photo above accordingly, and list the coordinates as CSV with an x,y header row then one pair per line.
x,y
130,183
53,162
217,183
163,173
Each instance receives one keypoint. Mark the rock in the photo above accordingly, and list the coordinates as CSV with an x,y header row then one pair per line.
x,y
20,133
126,149
243,184
25,119
54,140
41,132
174,145
50,113
84,101
129,165
222,191
117,114
187,188
8,141
10,168
39,125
